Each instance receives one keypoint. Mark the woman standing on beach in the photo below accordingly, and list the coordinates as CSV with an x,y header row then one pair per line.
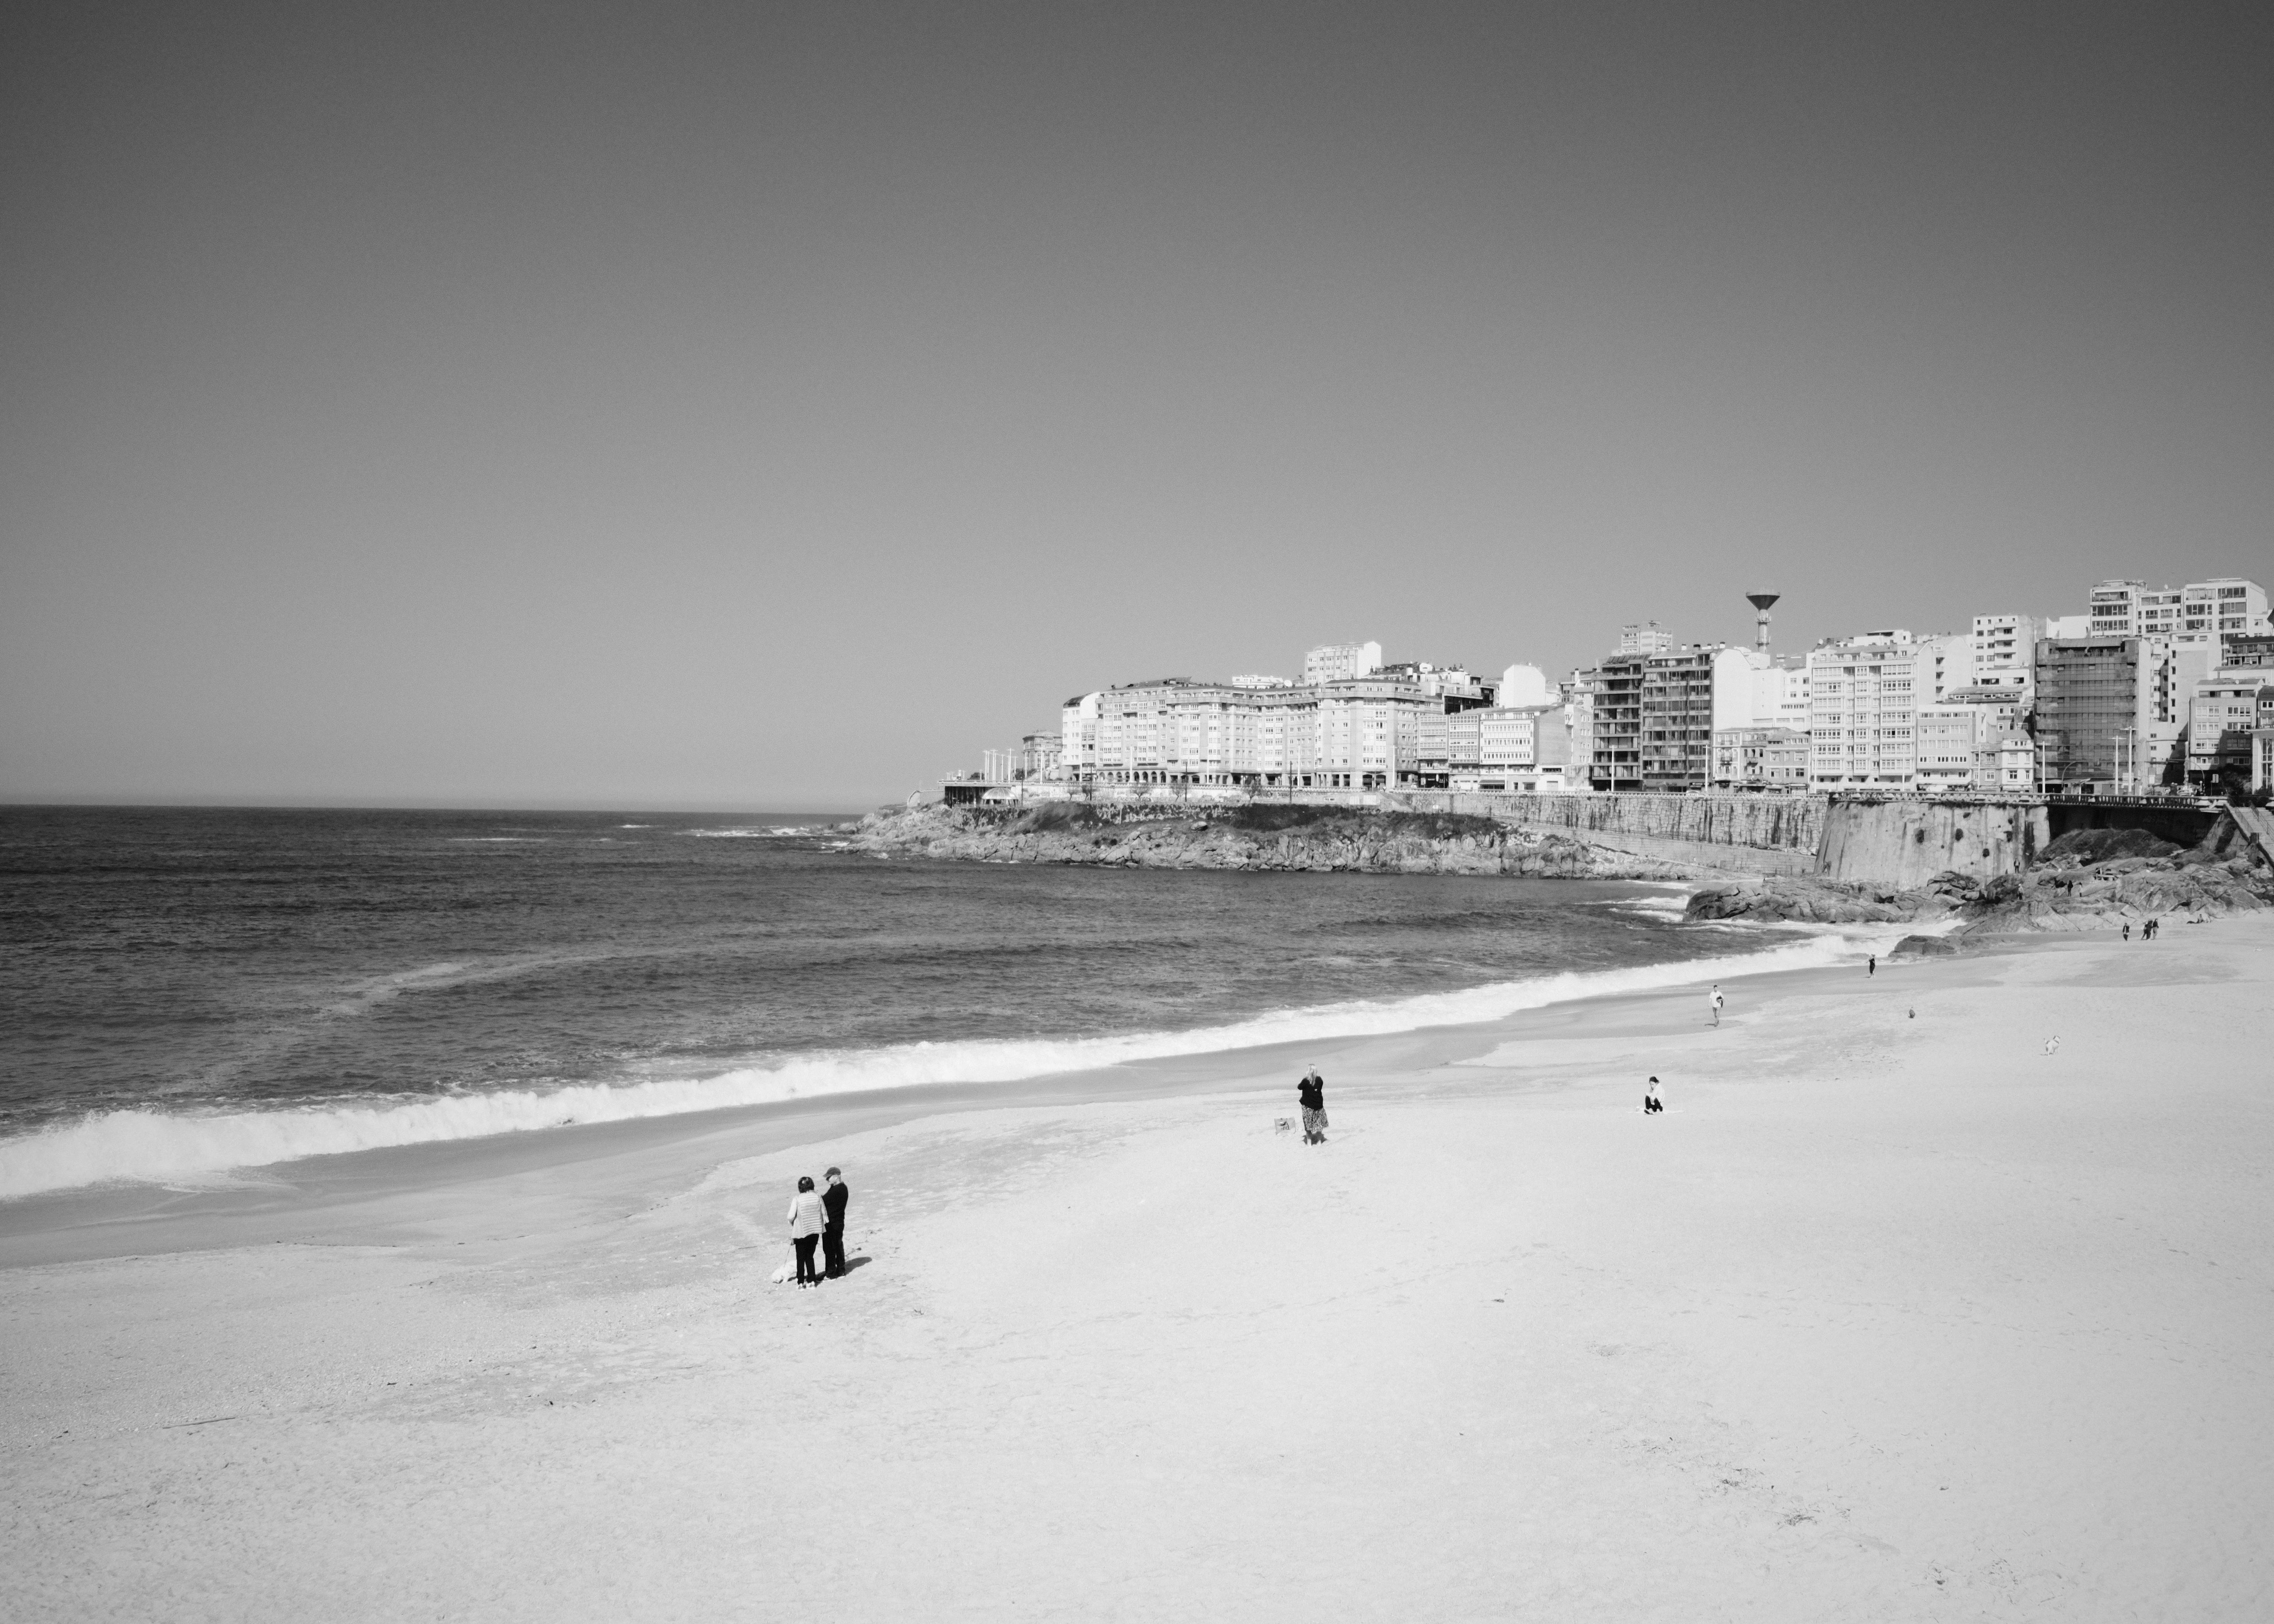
x,y
806,1222
1312,1092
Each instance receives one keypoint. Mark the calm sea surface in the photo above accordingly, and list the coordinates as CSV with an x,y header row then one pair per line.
x,y
188,969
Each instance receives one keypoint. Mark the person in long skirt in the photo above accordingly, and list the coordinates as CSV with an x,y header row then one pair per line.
x,y
1312,1092
807,1220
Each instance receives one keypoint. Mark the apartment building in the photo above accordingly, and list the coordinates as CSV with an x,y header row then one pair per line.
x,y
2095,697
1945,664
1077,736
1366,733
1780,693
1355,734
1459,687
2200,612
2005,651
2221,717
1863,702
1957,745
1652,722
1340,662
1774,758
2247,651
1526,685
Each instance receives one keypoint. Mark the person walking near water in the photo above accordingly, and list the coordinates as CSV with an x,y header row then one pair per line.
x,y
806,1221
1872,966
2127,930
1713,1004
1311,1091
833,1202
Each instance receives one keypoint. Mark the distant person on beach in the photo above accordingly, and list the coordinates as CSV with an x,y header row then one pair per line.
x,y
1311,1091
1713,1004
1872,966
2127,930
1651,1105
833,1202
806,1216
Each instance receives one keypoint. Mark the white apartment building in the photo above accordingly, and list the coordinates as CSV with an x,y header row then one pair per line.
x,y
2017,763
1366,733
1863,702
1733,687
1510,750
1646,638
1781,695
2221,715
1524,685
1077,736
1945,664
1356,735
1340,662
1958,744
1579,725
2199,612
2005,651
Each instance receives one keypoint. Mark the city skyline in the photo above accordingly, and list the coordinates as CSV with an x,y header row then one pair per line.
x,y
762,407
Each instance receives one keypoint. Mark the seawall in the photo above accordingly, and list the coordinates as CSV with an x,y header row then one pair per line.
x,y
1907,843
1744,834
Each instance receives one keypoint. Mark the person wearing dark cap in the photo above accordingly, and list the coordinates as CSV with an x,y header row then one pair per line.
x,y
832,1235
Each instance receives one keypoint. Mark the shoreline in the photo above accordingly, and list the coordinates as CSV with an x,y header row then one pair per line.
x,y
354,1193
779,1088
1892,1315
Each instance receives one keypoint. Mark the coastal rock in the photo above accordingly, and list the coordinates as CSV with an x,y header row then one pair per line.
x,y
1924,947
1271,838
1786,899
2082,893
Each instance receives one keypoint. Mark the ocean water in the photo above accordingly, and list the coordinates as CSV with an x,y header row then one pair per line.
x,y
184,992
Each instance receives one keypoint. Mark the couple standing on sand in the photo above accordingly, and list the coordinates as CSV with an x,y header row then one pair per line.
x,y
819,1217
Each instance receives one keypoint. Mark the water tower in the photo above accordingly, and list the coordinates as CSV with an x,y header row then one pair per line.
x,y
1761,602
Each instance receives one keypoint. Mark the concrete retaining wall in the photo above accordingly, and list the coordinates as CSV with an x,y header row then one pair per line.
x,y
1746,834
1907,843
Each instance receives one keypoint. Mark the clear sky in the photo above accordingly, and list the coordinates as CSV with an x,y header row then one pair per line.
x,y
774,405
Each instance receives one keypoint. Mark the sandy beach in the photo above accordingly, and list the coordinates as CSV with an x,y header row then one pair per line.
x,y
1892,1315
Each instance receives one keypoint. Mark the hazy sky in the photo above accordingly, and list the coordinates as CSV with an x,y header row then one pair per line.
x,y
773,406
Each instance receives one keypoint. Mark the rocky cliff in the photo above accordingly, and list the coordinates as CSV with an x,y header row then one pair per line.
x,y
2090,880
1305,839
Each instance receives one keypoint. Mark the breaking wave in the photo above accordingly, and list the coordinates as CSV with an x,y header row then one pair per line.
x,y
159,1146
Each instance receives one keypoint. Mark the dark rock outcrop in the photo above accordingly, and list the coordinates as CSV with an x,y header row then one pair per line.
x,y
1802,901
1924,947
1301,840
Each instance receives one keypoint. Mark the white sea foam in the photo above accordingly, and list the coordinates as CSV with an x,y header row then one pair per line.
x,y
776,833
142,1145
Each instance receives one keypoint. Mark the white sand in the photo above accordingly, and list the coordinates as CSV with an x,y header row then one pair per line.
x,y
1884,1319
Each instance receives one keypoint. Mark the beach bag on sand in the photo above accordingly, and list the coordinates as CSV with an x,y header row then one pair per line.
x,y
787,1272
